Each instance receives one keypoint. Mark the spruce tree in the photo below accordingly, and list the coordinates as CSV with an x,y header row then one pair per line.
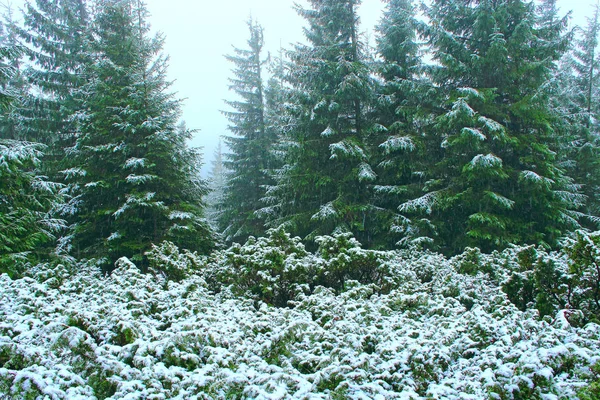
x,y
27,228
324,186
139,182
498,181
248,161
400,110
578,99
57,34
218,181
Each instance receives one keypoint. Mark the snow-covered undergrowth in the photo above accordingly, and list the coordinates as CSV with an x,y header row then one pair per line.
x,y
425,330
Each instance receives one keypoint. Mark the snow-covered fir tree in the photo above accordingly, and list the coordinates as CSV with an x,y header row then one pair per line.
x,y
248,160
498,180
139,182
399,108
217,184
57,35
324,185
577,97
27,228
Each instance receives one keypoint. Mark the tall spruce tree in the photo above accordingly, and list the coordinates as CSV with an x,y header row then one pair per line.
x,y
498,181
58,37
139,182
324,186
248,162
400,111
218,181
27,228
578,97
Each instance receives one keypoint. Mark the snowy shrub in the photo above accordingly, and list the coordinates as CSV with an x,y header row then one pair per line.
x,y
168,260
584,273
345,260
274,269
553,281
592,392
441,329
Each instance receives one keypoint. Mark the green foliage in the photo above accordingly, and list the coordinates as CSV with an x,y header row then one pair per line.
x,y
592,392
346,261
323,186
550,282
272,269
27,227
138,180
249,160
492,176
584,273
168,260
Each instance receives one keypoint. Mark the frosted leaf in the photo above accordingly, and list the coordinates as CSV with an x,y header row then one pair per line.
x,y
327,132
468,91
576,199
140,179
114,236
134,163
487,161
532,177
395,143
42,184
144,200
93,184
491,125
379,128
365,173
424,203
346,148
180,215
500,200
326,211
460,108
475,133
389,189
73,172
152,123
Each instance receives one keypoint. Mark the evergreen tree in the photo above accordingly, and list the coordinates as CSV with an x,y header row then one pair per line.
x,y
498,181
400,112
58,37
26,224
248,161
324,185
13,81
578,98
218,181
139,182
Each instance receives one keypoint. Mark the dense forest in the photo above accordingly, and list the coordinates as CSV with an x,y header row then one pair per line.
x,y
469,124
410,218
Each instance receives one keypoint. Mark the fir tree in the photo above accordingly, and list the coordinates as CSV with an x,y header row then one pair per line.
x,y
27,198
58,37
578,99
498,181
324,185
248,161
218,181
139,182
399,112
